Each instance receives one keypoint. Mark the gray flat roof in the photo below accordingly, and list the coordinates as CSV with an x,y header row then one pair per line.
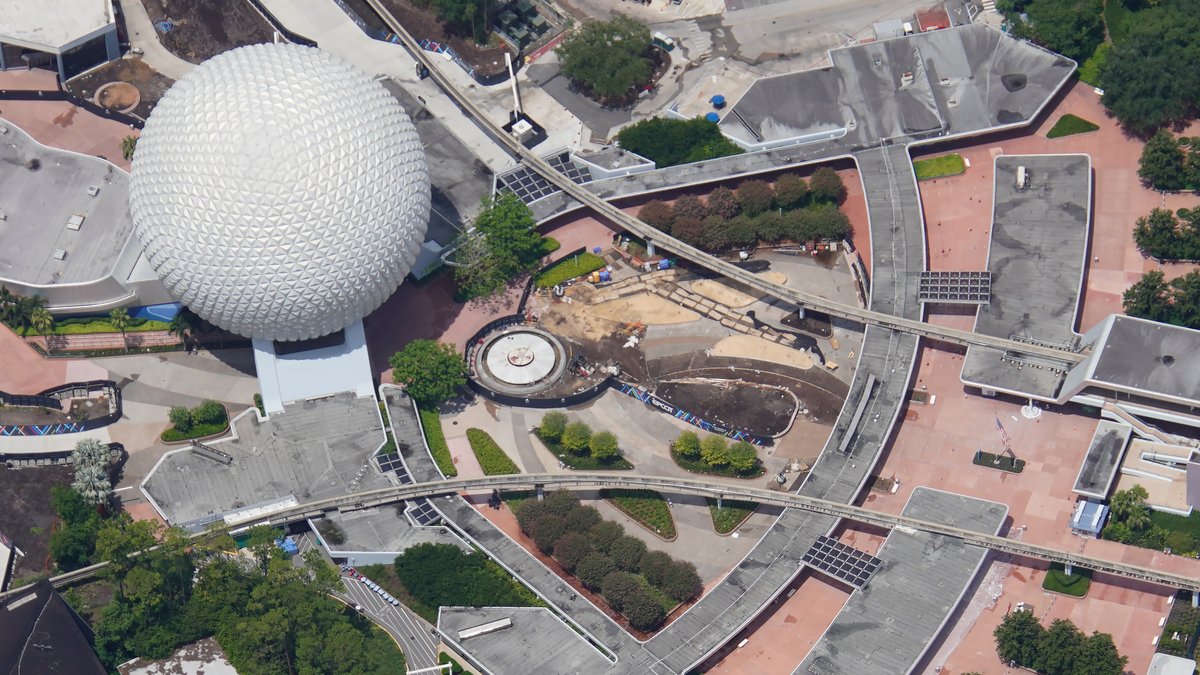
x,y
53,25
1038,244
537,642
384,530
1103,459
886,627
951,81
312,450
40,189
1146,356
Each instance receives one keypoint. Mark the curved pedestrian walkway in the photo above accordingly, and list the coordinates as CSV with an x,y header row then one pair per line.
x,y
143,36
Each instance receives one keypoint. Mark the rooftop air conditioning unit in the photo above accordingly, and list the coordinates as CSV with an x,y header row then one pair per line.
x,y
1022,178
75,222
93,190
522,130
59,254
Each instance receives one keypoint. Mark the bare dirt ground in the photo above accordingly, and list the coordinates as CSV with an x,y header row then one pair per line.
x,y
79,409
151,85
205,28
27,518
643,308
722,293
750,347
761,410
423,24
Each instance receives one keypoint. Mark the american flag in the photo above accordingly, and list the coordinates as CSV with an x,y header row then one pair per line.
x,y
1003,433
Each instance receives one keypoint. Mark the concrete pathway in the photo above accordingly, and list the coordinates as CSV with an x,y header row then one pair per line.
x,y
143,36
528,455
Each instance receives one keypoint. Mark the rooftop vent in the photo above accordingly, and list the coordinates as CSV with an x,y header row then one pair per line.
x,y
75,222
59,254
93,190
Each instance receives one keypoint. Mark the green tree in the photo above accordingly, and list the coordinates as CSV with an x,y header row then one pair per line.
x,y
722,203
546,531
17,310
465,18
181,326
608,58
714,234
181,418
42,321
572,548
1129,507
116,541
680,581
618,586
581,518
1149,298
73,544
755,197
826,185
657,214
769,227
741,231
689,231
714,451
209,412
119,318
1073,29
553,424
1118,532
1018,637
603,534
743,457
593,568
561,502
1162,164
430,371
791,192
504,245
668,142
604,446
1162,235
1099,656
261,543
1185,300
653,566
643,611
91,459
576,436
1058,649
128,147
687,445
690,207
627,552
1149,78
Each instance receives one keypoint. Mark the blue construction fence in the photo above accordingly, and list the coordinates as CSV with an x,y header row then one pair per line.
x,y
695,420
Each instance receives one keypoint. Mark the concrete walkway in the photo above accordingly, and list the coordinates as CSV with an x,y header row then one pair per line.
x,y
143,36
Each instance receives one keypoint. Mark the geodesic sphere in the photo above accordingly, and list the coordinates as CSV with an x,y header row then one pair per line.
x,y
279,192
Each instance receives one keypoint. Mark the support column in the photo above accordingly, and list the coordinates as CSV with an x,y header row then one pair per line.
x,y
720,502
649,248
1195,598
1068,568
541,491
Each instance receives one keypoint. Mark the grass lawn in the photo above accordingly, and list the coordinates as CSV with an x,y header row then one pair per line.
x,y
585,462
1183,533
431,422
646,507
549,245
1069,125
940,167
1089,70
197,431
1001,462
492,458
1075,585
569,268
731,516
700,466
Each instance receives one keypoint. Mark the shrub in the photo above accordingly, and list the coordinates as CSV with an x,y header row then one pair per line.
x,y
530,511
571,548
688,444
689,230
492,459
561,502
653,566
546,531
431,425
689,207
627,552
742,456
722,203
553,424
826,186
603,445
741,232
769,227
643,612
680,580
713,234
714,451
592,570
755,197
791,192
582,518
575,437
618,586
658,214
603,534
209,412
181,418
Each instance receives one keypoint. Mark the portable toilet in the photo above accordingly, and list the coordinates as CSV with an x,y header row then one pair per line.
x,y
664,264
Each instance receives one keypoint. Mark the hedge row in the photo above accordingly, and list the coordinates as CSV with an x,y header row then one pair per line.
x,y
492,458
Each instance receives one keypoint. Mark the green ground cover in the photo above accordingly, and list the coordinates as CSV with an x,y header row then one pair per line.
x,y
731,516
585,462
1183,533
1075,584
1184,621
1069,125
549,245
172,435
646,507
1001,462
1089,70
431,422
492,458
89,326
569,268
939,167
698,465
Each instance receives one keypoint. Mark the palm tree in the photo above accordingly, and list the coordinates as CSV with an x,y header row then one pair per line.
x,y
19,310
181,326
43,322
90,458
119,318
128,145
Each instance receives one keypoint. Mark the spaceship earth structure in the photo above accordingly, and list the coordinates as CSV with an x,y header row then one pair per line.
x,y
279,192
